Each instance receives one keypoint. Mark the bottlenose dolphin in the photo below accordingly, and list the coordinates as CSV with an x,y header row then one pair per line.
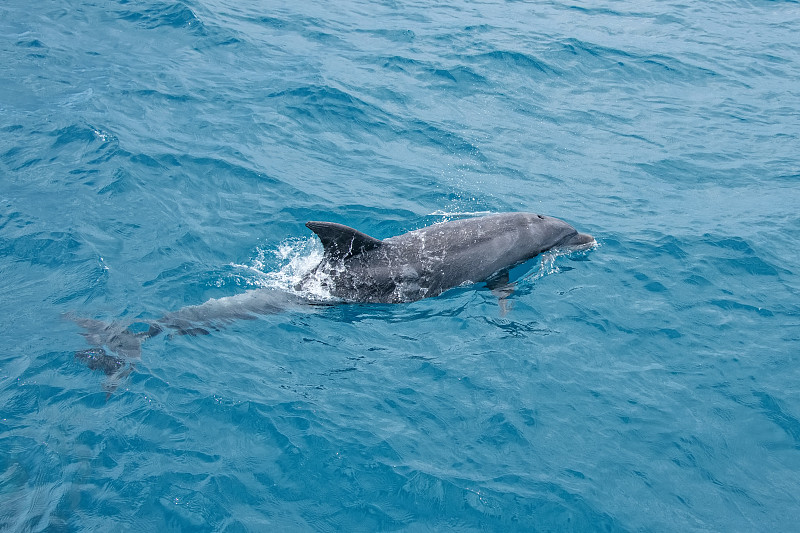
x,y
358,268
426,262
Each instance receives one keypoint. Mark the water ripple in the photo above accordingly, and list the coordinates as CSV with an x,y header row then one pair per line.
x,y
159,153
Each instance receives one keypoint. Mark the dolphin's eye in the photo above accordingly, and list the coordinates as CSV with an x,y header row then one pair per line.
x,y
540,216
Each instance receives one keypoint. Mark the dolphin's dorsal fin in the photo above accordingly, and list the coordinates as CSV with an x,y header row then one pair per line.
x,y
340,241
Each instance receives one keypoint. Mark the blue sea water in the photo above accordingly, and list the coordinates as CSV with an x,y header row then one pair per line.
x,y
155,154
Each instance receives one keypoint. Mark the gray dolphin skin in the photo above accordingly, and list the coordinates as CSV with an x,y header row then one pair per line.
x,y
426,262
356,268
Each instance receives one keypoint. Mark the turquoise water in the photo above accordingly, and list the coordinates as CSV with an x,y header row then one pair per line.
x,y
157,154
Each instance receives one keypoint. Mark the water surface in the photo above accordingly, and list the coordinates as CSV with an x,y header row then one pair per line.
x,y
157,154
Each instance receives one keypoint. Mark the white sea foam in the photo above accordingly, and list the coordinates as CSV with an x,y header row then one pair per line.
x,y
442,213
284,266
548,264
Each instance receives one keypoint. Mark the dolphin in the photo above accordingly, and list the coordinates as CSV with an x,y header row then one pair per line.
x,y
356,268
426,262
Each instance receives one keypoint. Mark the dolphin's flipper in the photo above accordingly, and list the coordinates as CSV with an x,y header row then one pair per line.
x,y
340,241
501,287
498,280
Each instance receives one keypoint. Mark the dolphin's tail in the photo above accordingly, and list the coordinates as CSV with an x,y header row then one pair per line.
x,y
117,337
115,347
115,368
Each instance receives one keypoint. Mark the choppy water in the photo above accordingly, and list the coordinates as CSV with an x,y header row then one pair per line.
x,y
157,154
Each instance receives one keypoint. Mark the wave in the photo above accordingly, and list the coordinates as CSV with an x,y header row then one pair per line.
x,y
158,14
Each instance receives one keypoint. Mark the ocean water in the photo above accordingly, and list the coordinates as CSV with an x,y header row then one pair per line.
x,y
155,154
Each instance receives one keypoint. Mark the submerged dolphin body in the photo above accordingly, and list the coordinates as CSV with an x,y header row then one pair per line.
x,y
117,346
125,339
431,260
356,268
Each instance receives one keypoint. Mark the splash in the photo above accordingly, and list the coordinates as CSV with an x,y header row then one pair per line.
x,y
450,215
548,261
547,266
286,265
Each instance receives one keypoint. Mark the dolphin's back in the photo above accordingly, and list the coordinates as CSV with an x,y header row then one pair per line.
x,y
462,251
